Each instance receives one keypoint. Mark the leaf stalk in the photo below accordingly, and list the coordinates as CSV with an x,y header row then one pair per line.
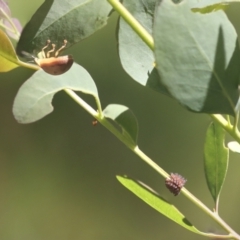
x,y
135,25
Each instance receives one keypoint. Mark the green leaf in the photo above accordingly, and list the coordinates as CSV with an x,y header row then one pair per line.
x,y
215,159
124,117
158,203
197,57
136,57
63,19
207,6
154,82
33,100
8,57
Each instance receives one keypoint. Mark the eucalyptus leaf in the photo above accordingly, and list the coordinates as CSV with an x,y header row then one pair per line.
x,y
197,57
124,117
63,19
136,57
154,82
216,157
8,57
34,98
158,203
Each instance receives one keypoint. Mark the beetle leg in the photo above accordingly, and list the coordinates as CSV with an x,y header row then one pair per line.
x,y
43,52
52,50
61,48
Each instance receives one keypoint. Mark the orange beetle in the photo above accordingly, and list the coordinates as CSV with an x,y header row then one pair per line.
x,y
53,65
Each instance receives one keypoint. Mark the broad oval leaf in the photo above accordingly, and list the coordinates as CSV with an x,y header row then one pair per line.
x,y
215,159
34,98
8,57
197,57
158,203
63,19
124,117
136,57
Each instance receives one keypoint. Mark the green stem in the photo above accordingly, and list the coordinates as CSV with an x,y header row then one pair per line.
x,y
136,26
233,131
100,117
28,65
149,161
190,196
228,119
236,119
99,107
147,38
213,215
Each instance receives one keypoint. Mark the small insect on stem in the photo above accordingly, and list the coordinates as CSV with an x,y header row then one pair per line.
x,y
94,122
53,65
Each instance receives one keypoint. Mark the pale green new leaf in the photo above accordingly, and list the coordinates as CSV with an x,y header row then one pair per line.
x,y
158,203
8,57
197,57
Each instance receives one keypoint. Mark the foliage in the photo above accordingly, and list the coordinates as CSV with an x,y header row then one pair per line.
x,y
168,46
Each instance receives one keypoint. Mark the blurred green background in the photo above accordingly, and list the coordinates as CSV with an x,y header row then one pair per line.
x,y
57,176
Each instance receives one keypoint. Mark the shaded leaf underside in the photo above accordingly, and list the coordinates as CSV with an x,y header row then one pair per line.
x,y
124,117
197,57
62,19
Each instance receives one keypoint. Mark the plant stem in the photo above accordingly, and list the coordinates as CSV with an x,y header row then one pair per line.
x,y
100,118
149,161
147,38
99,107
212,214
232,130
136,26
190,196
236,119
28,65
